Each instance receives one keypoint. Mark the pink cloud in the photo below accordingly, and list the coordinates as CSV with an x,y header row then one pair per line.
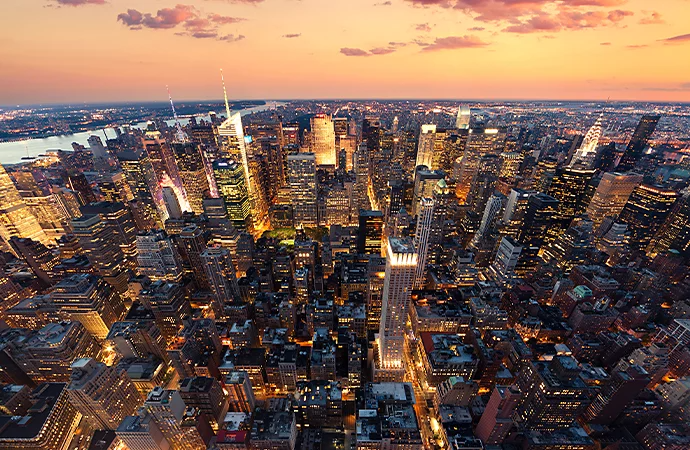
x,y
653,18
80,2
452,43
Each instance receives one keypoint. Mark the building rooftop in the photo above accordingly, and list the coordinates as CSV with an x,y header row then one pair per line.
x,y
44,399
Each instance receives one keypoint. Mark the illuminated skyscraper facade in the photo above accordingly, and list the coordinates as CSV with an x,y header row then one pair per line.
x,y
645,212
425,217
302,180
612,193
16,219
323,140
230,180
644,130
190,164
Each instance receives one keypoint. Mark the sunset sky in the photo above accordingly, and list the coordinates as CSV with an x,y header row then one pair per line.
x,y
120,50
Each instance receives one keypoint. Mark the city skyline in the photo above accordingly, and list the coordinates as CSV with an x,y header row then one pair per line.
x,y
576,50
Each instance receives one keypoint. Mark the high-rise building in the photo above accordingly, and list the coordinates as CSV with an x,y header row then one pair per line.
x,y
568,187
611,195
497,421
484,182
168,410
192,240
370,232
220,272
462,121
401,265
104,395
157,256
503,267
190,163
480,141
645,212
230,180
141,432
675,232
616,394
537,220
586,154
302,180
80,185
240,394
118,218
360,195
98,242
323,139
425,218
644,130
426,146
206,395
169,306
16,219
90,300
138,171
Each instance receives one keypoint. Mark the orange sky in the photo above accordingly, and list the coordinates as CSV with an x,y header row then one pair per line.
x,y
107,50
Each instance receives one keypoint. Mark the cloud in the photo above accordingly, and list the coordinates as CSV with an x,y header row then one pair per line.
x,y
397,44
292,35
677,39
477,29
605,43
347,51
191,20
80,2
452,43
568,20
388,3
652,18
231,38
377,51
636,46
422,27
248,2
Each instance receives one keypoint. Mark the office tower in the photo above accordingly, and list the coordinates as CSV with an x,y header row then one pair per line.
x,y
190,164
571,248
275,162
171,203
50,423
480,141
503,267
302,179
137,339
401,265
675,232
168,410
16,218
611,195
426,147
360,196
425,217
492,211
162,159
586,154
338,204
425,181
232,188
220,272
497,420
645,212
78,183
614,238
138,170
568,187
104,395
206,395
543,174
118,219
323,139
510,164
40,258
553,394
462,121
537,221
370,232
644,130
169,306
515,211
240,394
90,300
99,244
623,387
371,134
192,241
157,256
484,182
141,432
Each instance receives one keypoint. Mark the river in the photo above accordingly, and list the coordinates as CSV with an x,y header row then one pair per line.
x,y
13,152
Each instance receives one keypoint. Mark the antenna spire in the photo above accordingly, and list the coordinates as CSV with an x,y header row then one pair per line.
x,y
225,95
179,133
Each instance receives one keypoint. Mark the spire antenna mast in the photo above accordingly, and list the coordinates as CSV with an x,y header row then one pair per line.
x,y
225,95
179,134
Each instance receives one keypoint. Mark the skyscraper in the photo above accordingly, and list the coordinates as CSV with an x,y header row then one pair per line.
x,y
462,121
425,149
503,266
425,218
157,256
104,395
169,306
220,272
401,265
480,141
586,154
190,163
644,130
232,187
168,410
611,195
645,212
538,218
323,139
360,195
302,178
568,187
370,232
16,219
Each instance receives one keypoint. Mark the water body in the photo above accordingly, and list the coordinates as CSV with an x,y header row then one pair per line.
x,y
13,152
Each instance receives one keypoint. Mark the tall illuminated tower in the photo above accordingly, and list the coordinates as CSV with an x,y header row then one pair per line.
x,y
302,180
462,121
587,152
612,193
220,272
232,188
645,212
190,164
401,266
425,149
644,130
480,141
16,219
323,139
425,216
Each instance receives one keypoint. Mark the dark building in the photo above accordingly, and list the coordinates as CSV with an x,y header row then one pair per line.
x,y
645,128
370,232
